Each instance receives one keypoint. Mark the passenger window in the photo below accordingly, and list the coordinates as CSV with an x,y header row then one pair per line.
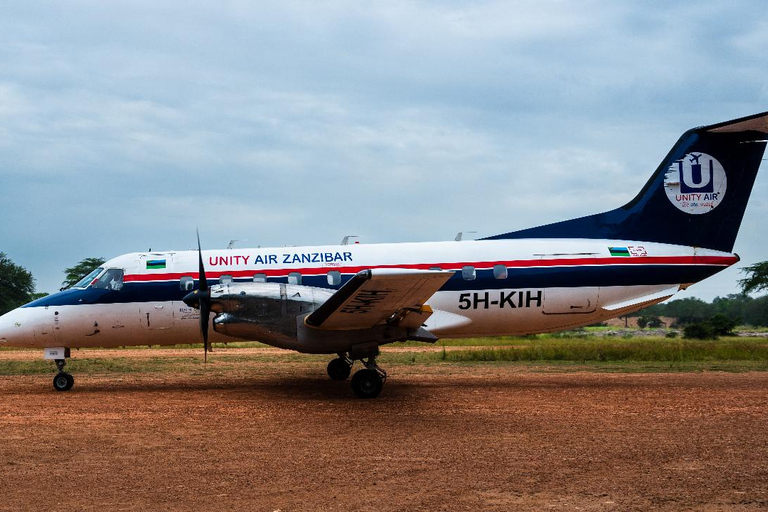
x,y
334,278
500,271
112,279
186,283
435,268
294,278
225,279
259,278
468,273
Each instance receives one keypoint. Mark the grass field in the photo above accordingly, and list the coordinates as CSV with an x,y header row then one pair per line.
x,y
545,352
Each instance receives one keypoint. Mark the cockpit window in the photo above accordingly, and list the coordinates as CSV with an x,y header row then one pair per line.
x,y
112,279
84,282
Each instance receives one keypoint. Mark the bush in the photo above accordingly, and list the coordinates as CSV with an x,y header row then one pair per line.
x,y
721,325
652,321
699,331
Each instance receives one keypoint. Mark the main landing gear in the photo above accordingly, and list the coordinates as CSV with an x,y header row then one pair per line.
x,y
62,381
366,383
340,368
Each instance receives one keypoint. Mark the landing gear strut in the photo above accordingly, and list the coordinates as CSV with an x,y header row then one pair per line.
x,y
62,381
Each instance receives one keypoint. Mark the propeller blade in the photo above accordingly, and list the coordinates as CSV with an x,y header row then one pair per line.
x,y
201,267
204,316
204,299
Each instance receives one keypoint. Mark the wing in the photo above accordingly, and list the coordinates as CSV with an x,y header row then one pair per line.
x,y
378,296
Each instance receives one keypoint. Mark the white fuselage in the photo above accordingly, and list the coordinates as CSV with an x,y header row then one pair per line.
x,y
501,287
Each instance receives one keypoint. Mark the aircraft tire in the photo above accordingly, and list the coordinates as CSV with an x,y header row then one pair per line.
x,y
367,383
339,369
63,381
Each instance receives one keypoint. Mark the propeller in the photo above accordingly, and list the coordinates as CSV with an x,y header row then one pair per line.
x,y
201,299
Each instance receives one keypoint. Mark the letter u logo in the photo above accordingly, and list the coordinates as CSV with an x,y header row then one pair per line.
x,y
695,179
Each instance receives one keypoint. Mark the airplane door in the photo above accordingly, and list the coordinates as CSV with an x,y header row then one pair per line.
x,y
157,315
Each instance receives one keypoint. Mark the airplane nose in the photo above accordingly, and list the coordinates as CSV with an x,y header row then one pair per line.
x,y
5,331
14,331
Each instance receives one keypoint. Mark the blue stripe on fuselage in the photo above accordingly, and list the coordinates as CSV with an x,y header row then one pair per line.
x,y
539,277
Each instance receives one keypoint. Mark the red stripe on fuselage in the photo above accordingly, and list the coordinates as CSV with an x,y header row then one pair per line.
x,y
722,261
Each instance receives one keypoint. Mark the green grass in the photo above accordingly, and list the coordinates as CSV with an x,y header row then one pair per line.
x,y
727,352
545,353
612,350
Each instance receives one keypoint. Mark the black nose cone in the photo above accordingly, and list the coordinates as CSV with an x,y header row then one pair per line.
x,y
192,299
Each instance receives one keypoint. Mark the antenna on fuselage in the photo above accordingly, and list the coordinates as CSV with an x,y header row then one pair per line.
x,y
460,235
231,244
345,240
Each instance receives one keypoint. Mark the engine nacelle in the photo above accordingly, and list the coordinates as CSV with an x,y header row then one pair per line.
x,y
274,313
265,312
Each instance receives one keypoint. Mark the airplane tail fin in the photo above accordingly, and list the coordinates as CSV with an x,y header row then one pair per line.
x,y
696,197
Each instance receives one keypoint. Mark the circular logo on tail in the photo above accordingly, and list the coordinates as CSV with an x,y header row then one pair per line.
x,y
696,183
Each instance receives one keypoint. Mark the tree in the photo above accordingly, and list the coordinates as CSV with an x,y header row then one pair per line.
x,y
756,312
722,325
699,331
689,310
652,321
16,285
79,271
757,278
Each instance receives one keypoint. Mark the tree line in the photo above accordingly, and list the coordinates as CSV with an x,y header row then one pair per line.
x,y
740,308
736,308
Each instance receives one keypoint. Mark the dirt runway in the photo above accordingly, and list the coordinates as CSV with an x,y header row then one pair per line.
x,y
441,437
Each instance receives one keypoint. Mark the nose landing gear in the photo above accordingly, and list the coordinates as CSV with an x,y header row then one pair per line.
x,y
62,381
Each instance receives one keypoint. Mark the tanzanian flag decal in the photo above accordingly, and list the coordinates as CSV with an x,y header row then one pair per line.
x,y
615,251
159,264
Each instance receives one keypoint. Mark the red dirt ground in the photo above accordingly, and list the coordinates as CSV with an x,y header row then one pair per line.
x,y
441,437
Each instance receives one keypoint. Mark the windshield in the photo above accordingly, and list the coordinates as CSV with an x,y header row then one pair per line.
x,y
84,282
112,279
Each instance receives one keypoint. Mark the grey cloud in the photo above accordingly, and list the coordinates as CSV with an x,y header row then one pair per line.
x,y
125,126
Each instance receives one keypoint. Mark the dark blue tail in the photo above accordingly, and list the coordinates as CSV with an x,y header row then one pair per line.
x,y
696,197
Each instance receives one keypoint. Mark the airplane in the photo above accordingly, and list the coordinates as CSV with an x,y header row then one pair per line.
x,y
349,300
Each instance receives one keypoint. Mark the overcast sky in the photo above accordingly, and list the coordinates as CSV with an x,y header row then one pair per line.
x,y
124,126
